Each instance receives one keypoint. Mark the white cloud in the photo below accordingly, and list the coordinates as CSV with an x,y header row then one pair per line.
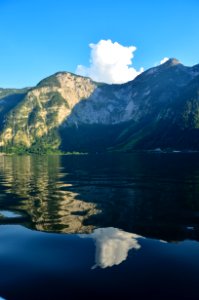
x,y
110,62
164,60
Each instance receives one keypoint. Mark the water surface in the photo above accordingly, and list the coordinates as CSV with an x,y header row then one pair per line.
x,y
98,226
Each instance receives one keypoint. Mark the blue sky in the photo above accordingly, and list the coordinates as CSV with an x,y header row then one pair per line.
x,y
41,37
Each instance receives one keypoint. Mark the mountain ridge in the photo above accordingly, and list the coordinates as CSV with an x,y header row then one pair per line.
x,y
74,113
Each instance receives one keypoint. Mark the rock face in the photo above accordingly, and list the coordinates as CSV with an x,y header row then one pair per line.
x,y
44,108
159,108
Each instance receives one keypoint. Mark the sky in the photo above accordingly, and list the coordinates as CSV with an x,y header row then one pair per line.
x,y
107,39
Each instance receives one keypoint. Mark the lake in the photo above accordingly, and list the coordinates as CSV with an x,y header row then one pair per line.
x,y
99,226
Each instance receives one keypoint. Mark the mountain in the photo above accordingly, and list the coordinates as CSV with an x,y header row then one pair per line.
x,y
158,109
9,98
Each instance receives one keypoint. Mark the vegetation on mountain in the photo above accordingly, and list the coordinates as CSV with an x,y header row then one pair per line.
x,y
70,113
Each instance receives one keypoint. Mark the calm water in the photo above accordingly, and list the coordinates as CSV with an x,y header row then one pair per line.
x,y
120,226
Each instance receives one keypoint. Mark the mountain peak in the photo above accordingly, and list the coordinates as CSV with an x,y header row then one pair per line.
x,y
172,62
58,78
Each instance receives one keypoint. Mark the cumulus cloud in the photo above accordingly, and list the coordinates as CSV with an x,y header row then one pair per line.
x,y
110,62
164,60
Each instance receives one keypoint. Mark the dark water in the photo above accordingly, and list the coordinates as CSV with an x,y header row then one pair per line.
x,y
115,226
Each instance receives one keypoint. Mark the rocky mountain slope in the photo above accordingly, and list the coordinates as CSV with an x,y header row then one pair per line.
x,y
158,109
9,98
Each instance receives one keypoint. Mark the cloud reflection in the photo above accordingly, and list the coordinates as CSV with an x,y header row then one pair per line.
x,y
112,246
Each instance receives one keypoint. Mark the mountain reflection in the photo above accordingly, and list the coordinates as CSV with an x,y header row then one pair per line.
x,y
112,246
151,195
42,194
